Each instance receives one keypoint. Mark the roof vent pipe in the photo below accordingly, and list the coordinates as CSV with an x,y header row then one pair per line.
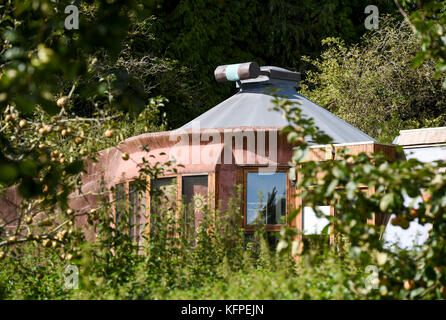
x,y
236,72
251,72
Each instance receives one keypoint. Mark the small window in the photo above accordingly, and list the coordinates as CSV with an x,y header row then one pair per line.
x,y
163,196
130,208
121,201
195,195
311,223
137,214
316,229
266,198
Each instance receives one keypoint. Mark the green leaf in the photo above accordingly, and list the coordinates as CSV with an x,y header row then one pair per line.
x,y
386,201
326,230
8,172
300,154
331,187
351,188
419,59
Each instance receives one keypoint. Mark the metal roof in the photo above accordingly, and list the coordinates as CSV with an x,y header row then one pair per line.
x,y
251,107
424,136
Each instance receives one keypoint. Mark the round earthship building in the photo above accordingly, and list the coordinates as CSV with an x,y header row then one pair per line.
x,y
237,142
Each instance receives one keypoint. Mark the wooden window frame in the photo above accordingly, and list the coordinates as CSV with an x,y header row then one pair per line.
x,y
300,218
268,227
149,199
127,199
333,212
212,188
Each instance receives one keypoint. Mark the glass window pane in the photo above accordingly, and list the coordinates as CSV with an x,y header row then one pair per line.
x,y
120,200
163,189
266,198
163,195
252,241
137,200
195,192
311,223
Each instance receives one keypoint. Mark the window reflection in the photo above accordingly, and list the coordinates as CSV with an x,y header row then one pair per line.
x,y
163,193
266,198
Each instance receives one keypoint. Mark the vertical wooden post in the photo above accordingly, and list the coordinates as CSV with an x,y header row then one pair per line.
x,y
240,180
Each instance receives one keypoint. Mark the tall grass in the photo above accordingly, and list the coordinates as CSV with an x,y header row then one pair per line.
x,y
175,261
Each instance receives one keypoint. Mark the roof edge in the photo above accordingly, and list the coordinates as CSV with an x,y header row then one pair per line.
x,y
423,129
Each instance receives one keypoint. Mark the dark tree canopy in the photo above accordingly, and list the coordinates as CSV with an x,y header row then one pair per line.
x,y
205,34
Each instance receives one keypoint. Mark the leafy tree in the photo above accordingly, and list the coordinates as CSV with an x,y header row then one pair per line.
x,y
428,22
338,183
44,146
44,143
204,34
140,68
373,86
38,55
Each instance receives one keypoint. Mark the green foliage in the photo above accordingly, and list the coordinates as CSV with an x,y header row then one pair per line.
x,y
166,266
362,187
38,57
204,34
428,23
215,262
110,64
373,86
